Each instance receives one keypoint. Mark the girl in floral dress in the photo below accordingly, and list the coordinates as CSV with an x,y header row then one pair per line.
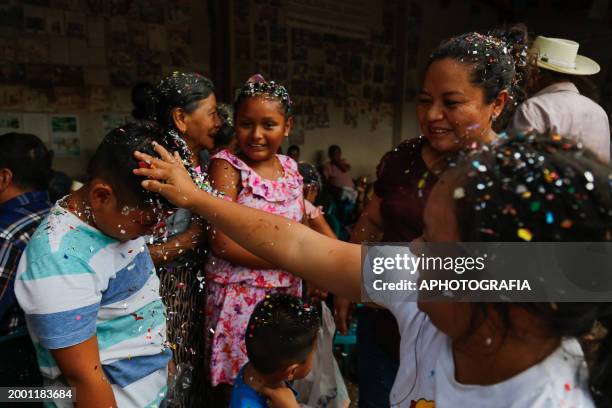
x,y
259,178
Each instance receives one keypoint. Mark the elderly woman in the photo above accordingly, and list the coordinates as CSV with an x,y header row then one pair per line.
x,y
185,105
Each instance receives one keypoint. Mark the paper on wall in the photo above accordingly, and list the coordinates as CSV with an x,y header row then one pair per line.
x,y
33,50
11,97
99,99
10,122
59,50
111,121
96,76
75,24
65,137
34,19
78,52
118,24
55,21
95,32
157,37
96,56
37,100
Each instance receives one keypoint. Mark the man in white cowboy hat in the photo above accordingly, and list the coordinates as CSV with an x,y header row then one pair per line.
x,y
557,106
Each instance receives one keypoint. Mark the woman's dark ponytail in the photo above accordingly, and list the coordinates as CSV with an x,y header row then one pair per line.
x,y
519,43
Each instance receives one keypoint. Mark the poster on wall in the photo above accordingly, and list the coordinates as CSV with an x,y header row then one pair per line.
x,y
65,138
10,122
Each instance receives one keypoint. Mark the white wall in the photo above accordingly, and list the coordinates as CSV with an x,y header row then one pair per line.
x,y
361,147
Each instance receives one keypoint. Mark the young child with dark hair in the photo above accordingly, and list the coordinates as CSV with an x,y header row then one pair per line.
x,y
88,286
280,342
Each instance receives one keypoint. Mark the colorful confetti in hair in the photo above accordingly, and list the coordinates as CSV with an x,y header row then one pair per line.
x,y
500,61
258,86
533,188
180,90
282,330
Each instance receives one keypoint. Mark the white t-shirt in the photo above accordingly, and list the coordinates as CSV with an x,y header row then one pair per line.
x,y
426,375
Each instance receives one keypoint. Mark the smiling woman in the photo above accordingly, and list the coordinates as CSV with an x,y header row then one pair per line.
x,y
470,81
186,107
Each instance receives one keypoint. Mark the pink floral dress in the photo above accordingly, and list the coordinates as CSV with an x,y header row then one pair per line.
x,y
234,290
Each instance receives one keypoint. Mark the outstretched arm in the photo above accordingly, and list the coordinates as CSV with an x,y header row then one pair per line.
x,y
330,264
224,178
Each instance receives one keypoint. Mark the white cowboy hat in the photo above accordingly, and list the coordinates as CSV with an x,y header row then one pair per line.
x,y
557,54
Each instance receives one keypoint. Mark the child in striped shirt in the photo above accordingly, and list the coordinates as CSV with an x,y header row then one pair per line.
x,y
88,286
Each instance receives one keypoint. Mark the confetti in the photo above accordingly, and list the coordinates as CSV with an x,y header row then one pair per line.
x,y
458,193
524,234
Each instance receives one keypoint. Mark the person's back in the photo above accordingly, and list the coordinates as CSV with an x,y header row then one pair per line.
x,y
25,167
556,106
561,109
88,286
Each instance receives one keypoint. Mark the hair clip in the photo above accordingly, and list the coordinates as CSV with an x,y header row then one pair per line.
x,y
257,79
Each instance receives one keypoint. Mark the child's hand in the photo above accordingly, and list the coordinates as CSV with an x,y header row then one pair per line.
x,y
279,397
310,192
315,293
343,312
171,179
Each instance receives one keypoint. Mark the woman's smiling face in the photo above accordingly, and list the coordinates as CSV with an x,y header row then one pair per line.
x,y
451,109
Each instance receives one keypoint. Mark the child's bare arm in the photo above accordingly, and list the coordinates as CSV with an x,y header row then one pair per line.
x,y
329,263
80,365
225,178
369,228
190,239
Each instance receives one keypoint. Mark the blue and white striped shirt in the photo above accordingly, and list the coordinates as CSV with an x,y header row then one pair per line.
x,y
74,282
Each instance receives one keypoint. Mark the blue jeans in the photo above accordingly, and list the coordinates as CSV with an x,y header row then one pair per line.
x,y
376,368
